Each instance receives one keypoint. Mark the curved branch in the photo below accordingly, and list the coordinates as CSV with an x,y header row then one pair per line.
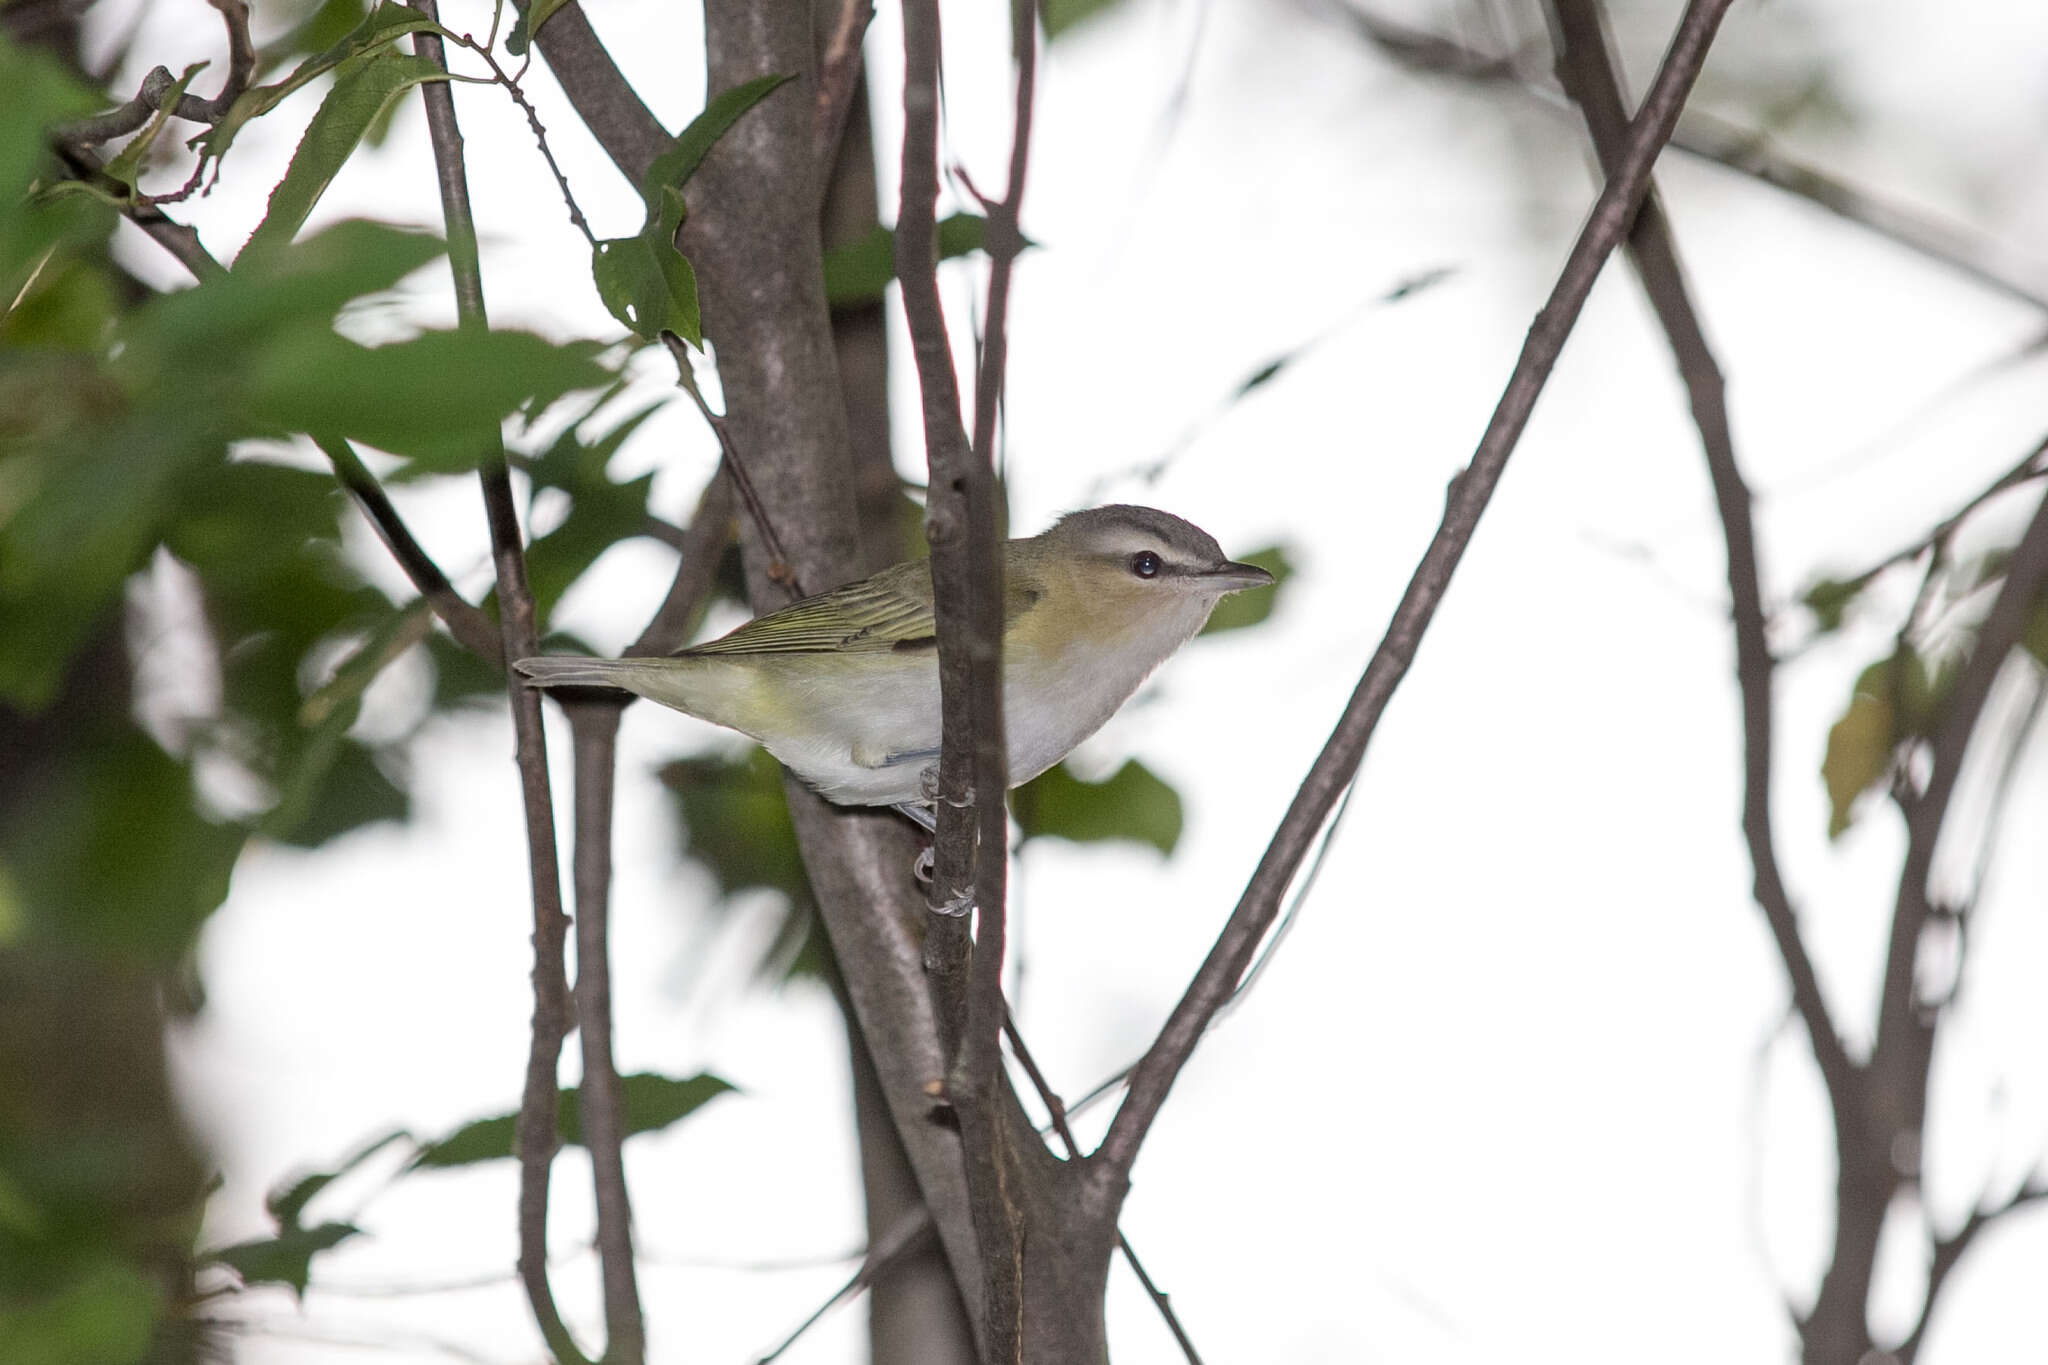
x,y
1586,70
1469,494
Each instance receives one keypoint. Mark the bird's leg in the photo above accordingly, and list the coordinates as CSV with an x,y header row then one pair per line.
x,y
918,813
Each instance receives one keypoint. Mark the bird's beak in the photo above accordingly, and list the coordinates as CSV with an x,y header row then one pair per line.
x,y
1233,576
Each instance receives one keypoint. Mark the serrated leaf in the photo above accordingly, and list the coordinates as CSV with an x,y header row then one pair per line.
x,y
285,1259
1254,605
1134,804
860,271
529,23
365,87
649,1103
436,398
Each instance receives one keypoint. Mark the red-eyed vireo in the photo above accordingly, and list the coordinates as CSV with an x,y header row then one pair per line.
x,y
843,687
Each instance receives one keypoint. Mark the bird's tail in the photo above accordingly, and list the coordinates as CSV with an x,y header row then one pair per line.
x,y
560,670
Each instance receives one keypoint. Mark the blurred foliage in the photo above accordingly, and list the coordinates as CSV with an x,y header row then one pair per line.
x,y
648,1104
1133,804
860,271
1242,609
1898,700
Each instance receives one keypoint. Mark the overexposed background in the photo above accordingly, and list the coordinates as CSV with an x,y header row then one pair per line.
x,y
1516,1085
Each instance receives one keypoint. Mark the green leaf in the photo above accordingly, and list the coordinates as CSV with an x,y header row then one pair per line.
x,y
529,23
288,1202
860,271
437,398
1254,605
1134,804
648,286
674,167
365,87
286,1258
1060,15
1859,754
650,1103
387,21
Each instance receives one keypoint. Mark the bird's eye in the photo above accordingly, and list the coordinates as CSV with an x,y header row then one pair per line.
x,y
1145,564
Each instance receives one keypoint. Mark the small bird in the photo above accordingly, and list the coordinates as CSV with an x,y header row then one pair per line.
x,y
843,687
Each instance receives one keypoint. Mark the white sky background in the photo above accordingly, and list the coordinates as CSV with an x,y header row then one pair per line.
x,y
1500,1094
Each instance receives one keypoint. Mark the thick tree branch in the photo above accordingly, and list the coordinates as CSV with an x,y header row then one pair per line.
x,y
536,1128
1586,71
1469,494
594,734
753,238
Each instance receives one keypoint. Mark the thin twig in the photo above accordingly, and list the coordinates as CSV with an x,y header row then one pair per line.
x,y
780,568
540,134
1004,239
535,1137
472,629
181,241
1469,494
152,97
594,736
909,1233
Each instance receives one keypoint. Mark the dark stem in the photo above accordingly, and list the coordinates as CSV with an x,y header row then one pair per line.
x,y
536,1129
779,568
1586,70
594,733
1469,494
472,629
972,839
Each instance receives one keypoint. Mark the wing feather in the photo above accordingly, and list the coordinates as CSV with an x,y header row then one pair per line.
x,y
890,610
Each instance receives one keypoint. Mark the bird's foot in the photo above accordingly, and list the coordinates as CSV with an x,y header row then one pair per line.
x,y
956,906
